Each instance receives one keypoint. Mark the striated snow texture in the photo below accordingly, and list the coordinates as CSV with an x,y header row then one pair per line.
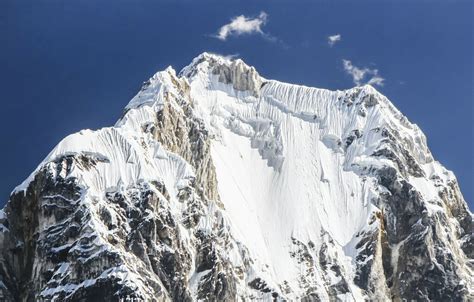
x,y
217,184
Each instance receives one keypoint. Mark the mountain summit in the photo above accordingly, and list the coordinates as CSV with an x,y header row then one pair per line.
x,y
217,184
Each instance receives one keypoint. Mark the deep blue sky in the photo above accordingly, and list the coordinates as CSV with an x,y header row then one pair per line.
x,y
70,65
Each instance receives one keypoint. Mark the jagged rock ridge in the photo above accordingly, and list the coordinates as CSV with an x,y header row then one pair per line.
x,y
218,184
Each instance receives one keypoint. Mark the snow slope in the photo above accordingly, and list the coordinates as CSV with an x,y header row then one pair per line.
x,y
284,167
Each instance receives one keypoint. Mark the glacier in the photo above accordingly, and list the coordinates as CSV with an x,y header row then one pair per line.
x,y
219,184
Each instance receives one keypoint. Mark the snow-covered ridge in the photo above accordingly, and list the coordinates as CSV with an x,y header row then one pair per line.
x,y
217,183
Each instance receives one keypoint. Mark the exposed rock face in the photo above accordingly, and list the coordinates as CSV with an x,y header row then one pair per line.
x,y
236,73
219,185
182,133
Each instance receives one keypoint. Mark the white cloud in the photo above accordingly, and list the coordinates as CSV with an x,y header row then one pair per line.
x,y
243,25
376,80
334,39
364,75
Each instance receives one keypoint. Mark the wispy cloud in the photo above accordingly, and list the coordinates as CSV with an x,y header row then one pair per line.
x,y
241,25
334,39
363,75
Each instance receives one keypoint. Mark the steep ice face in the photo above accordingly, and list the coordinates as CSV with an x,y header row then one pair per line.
x,y
295,162
219,184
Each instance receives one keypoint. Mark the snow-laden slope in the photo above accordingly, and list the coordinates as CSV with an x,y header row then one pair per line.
x,y
291,160
219,184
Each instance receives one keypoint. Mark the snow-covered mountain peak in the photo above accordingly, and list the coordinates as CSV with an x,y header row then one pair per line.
x,y
225,70
217,184
210,60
